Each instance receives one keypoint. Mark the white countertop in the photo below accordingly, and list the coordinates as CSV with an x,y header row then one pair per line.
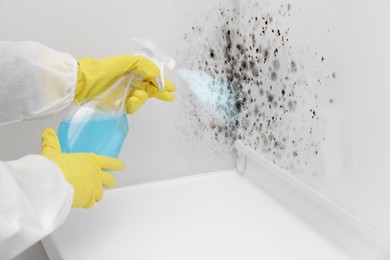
x,y
220,215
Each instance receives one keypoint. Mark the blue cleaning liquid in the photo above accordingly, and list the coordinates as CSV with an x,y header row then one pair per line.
x,y
100,135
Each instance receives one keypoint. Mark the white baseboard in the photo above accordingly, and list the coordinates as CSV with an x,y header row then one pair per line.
x,y
314,207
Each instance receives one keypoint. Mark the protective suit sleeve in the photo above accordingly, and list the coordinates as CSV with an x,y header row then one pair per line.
x,y
35,199
35,81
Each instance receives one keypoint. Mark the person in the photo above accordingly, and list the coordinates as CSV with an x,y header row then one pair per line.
x,y
38,191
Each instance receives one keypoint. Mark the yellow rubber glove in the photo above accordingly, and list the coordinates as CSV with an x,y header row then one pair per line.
x,y
95,76
82,170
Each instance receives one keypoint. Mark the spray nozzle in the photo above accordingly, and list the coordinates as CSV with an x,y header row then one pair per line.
x,y
149,49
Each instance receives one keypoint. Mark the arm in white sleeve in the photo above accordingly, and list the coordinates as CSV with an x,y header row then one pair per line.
x,y
35,199
35,81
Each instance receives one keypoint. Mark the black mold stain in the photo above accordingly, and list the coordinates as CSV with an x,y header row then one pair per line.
x,y
293,66
211,53
259,81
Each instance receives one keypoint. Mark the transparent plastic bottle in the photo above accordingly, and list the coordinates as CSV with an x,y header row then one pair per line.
x,y
101,134
99,124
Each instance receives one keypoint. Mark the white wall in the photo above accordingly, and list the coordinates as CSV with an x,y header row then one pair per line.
x,y
342,151
364,121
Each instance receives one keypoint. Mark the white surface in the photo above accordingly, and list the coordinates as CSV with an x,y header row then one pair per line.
x,y
214,216
356,150
265,166
36,252
324,216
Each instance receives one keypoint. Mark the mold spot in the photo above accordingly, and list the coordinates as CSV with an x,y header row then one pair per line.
x,y
255,87
274,76
211,53
293,66
270,98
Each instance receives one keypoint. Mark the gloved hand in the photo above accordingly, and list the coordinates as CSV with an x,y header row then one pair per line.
x,y
95,76
82,170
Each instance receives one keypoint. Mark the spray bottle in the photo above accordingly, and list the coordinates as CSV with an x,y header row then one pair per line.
x,y
99,124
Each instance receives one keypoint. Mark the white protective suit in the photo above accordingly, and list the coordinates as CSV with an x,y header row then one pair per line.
x,y
35,198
